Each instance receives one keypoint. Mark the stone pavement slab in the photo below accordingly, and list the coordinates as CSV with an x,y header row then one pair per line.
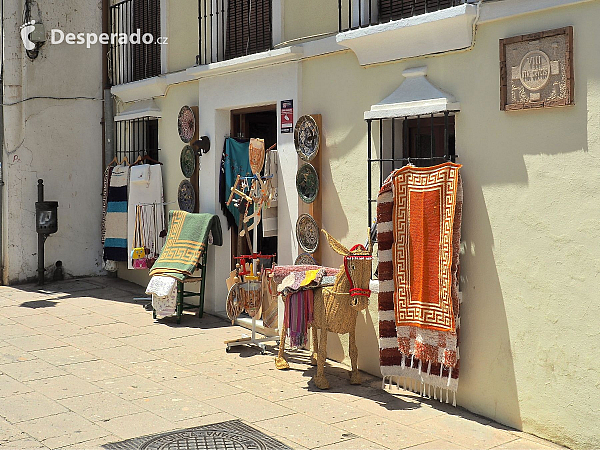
x,y
32,369
101,406
62,386
82,365
32,405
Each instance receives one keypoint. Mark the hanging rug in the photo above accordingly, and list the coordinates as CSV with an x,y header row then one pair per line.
x,y
419,212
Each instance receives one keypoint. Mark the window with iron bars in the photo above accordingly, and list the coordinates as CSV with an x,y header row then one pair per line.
x,y
354,14
229,29
132,62
424,140
136,137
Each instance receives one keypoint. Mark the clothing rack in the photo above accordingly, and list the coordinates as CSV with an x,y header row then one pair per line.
x,y
149,299
156,204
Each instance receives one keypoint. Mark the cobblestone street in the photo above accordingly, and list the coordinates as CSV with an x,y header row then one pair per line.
x,y
82,365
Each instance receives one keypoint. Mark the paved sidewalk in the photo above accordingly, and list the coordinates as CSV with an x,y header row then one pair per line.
x,y
82,365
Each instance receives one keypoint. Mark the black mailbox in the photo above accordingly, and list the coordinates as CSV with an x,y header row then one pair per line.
x,y
46,217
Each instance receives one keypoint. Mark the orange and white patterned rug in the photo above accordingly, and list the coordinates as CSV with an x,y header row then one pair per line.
x,y
419,215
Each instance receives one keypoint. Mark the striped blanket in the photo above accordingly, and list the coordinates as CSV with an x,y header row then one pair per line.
x,y
419,212
115,237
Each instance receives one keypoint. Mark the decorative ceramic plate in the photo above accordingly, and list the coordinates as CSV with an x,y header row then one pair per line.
x,y
186,124
186,196
306,138
307,232
256,153
307,183
305,259
187,161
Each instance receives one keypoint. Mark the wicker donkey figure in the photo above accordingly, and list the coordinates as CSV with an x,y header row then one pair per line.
x,y
336,309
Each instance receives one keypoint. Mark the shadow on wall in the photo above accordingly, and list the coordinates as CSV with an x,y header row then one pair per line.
x,y
488,381
485,344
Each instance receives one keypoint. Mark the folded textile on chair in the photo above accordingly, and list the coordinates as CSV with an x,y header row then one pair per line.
x,y
186,241
419,213
164,294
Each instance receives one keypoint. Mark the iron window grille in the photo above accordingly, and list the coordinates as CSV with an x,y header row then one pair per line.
x,y
423,141
229,29
354,14
132,62
136,137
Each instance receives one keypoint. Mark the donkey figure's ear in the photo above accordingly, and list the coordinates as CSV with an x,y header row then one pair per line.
x,y
335,245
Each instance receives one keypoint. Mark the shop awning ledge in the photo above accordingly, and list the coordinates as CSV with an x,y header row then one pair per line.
x,y
415,96
137,110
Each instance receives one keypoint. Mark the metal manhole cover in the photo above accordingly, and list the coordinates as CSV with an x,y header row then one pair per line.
x,y
232,435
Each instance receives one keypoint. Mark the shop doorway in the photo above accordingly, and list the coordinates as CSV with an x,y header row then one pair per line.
x,y
257,122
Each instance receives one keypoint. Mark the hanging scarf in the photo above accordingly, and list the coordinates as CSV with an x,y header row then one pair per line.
x,y
298,315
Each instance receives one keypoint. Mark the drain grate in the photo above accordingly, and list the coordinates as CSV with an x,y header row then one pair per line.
x,y
231,435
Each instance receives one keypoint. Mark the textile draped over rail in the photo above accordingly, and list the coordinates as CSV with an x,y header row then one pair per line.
x,y
186,240
235,161
419,213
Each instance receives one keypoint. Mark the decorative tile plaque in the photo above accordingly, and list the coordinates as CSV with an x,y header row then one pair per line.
x,y
536,70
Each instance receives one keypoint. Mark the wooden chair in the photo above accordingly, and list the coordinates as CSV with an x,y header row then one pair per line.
x,y
182,294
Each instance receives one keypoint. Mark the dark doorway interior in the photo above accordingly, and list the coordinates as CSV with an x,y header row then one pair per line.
x,y
259,122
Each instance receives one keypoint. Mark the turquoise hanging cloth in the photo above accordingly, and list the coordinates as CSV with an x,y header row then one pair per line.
x,y
236,163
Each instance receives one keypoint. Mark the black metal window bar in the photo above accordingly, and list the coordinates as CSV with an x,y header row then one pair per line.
x,y
134,61
423,141
354,14
136,137
228,29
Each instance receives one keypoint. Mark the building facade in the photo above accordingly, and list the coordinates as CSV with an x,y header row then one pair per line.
x,y
529,270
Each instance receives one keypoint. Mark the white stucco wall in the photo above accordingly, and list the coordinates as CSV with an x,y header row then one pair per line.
x,y
59,141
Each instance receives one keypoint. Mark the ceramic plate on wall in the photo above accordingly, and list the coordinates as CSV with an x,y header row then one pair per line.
x,y
307,232
186,124
187,161
307,183
186,196
305,259
306,138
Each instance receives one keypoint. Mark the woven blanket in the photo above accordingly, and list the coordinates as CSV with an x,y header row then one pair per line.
x,y
419,213
186,240
105,183
296,281
115,237
280,272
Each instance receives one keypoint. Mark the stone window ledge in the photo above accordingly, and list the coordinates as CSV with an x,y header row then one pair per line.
x,y
436,32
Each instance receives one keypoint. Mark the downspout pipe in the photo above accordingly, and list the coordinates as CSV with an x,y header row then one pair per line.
x,y
1,140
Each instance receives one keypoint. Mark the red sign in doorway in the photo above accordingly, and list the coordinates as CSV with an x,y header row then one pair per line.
x,y
287,116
